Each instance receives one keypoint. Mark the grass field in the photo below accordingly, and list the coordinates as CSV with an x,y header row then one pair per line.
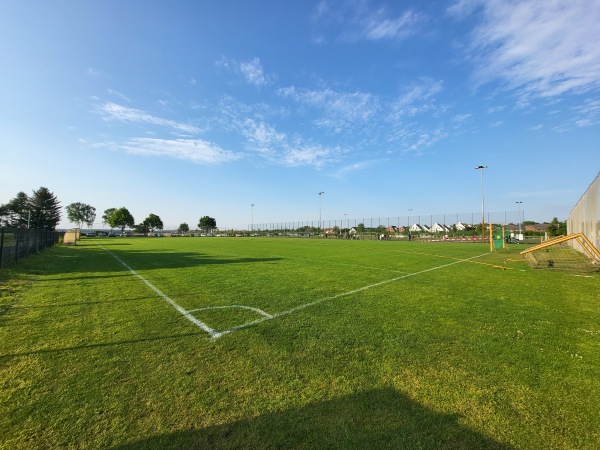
x,y
293,343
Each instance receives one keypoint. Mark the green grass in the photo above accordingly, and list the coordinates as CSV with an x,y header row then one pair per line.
x,y
463,356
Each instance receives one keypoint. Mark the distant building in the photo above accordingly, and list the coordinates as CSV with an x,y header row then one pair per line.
x,y
537,227
437,228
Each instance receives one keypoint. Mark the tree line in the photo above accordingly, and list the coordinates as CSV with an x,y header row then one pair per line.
x,y
43,210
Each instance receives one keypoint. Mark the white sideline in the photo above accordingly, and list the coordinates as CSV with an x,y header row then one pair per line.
x,y
165,297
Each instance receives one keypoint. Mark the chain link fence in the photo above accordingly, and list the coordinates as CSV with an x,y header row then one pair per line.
x,y
585,216
454,225
17,243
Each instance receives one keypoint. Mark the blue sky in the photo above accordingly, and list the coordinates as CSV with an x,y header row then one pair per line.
x,y
193,108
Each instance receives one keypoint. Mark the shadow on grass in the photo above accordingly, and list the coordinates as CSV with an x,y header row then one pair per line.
x,y
100,345
377,419
87,260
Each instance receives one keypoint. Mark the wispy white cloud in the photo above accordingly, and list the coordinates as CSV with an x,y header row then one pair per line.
x,y
279,149
339,110
350,169
584,123
119,95
417,99
460,118
94,72
379,26
540,48
251,71
113,111
496,109
355,21
262,137
194,150
310,155
588,113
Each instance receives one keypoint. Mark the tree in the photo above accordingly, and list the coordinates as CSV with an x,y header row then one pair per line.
x,y
81,213
207,224
183,228
16,212
45,209
360,228
106,217
556,228
121,218
141,228
152,222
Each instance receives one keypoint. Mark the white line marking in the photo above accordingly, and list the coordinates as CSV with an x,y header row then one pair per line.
x,y
345,294
257,310
165,297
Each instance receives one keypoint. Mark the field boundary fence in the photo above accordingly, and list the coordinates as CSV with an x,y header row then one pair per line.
x,y
585,216
414,226
18,243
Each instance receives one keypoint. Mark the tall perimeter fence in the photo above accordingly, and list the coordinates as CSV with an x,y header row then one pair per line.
x,y
585,216
420,225
17,243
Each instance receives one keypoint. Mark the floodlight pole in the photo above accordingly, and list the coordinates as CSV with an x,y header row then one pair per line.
x,y
519,203
252,229
482,202
321,212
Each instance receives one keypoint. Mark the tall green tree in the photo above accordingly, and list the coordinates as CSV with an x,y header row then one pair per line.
x,y
207,224
106,217
121,218
183,228
45,209
16,212
153,221
556,228
81,213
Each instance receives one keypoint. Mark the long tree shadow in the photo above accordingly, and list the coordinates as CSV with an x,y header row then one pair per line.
x,y
77,263
376,419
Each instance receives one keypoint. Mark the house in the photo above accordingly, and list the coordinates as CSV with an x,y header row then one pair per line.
x,y
463,226
392,229
418,228
537,227
437,228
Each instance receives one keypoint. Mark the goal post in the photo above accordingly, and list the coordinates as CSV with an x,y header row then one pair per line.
x,y
71,237
558,253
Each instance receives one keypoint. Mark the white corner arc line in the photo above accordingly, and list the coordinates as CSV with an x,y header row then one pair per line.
x,y
165,297
256,310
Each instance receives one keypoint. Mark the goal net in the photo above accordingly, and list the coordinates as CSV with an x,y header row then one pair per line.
x,y
559,254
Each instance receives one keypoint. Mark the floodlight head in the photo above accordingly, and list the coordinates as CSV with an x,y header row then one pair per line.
x,y
481,167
